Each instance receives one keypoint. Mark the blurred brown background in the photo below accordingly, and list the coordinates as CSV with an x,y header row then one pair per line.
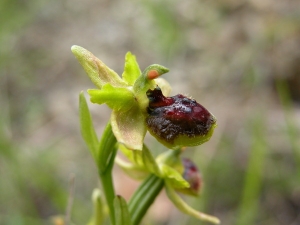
x,y
240,59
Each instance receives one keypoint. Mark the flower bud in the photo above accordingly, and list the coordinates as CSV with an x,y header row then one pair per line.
x,y
192,175
178,121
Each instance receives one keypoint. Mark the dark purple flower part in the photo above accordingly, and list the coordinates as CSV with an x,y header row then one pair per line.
x,y
178,117
192,175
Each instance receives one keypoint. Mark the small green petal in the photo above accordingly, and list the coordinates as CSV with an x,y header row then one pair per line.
x,y
129,127
116,98
98,72
131,70
173,177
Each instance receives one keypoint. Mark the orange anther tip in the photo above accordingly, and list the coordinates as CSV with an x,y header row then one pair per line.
x,y
152,74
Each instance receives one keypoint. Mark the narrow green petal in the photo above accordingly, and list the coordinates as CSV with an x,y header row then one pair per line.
x,y
185,208
98,72
122,215
131,70
87,128
173,177
129,127
116,98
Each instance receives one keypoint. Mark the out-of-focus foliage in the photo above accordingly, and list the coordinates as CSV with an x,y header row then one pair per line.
x,y
238,58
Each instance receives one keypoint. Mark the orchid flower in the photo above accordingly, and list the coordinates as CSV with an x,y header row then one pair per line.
x,y
126,96
139,103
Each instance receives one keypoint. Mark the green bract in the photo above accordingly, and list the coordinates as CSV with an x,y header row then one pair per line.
x,y
144,161
126,96
168,167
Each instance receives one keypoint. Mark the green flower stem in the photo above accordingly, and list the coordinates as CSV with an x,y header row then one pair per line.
x,y
144,197
109,192
106,156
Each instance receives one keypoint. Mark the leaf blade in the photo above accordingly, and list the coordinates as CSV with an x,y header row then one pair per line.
x,y
87,128
122,216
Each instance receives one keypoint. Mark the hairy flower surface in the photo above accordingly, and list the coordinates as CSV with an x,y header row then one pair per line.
x,y
178,121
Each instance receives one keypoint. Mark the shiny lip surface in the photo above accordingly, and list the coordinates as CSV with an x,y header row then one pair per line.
x,y
170,117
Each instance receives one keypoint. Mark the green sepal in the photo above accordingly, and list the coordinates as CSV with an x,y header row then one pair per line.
x,y
98,72
87,128
116,98
185,208
173,177
129,127
131,69
122,216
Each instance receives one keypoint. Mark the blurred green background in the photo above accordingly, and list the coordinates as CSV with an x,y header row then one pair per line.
x,y
240,59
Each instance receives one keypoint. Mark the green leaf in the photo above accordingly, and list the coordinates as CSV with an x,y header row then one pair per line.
x,y
143,197
131,70
150,162
87,128
107,149
98,72
122,216
129,127
105,162
173,177
115,97
185,208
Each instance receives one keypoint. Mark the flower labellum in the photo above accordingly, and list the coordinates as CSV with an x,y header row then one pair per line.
x,y
192,175
178,121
